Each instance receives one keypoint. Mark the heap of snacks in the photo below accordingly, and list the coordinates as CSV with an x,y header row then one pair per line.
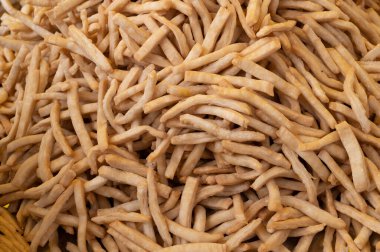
x,y
190,125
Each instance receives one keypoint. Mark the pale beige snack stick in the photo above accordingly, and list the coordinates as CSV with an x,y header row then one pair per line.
x,y
292,223
230,31
77,119
355,154
135,133
313,212
258,85
192,235
221,133
130,179
245,232
300,232
166,45
320,143
272,173
239,208
138,107
201,247
135,235
356,105
188,34
162,147
15,70
363,218
205,99
314,102
260,72
225,113
253,12
269,44
14,44
174,161
25,19
272,28
274,196
363,76
187,201
305,5
250,97
181,39
31,87
107,106
79,195
50,217
90,49
160,103
321,16
155,38
275,240
158,217
204,14
317,43
111,192
123,243
142,197
301,171
47,143
310,157
209,58
362,24
258,152
294,116
214,30
358,40
193,138
343,178
101,120
26,140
